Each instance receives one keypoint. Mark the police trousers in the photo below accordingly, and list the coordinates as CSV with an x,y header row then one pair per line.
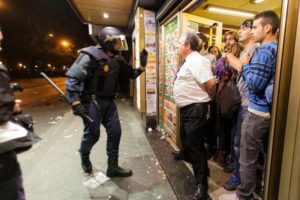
x,y
102,112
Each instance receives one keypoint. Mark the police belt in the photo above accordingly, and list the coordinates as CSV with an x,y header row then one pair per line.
x,y
91,97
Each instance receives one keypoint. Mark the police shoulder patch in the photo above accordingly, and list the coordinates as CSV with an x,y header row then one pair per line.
x,y
106,68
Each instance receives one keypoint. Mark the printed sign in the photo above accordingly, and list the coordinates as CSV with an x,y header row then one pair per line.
x,y
150,45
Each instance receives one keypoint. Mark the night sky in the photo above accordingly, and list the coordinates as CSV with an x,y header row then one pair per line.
x,y
26,23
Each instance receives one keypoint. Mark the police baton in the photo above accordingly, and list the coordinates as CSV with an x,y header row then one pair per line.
x,y
63,94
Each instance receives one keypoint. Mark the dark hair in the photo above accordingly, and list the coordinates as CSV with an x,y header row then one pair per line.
x,y
247,23
234,35
213,46
203,37
269,17
193,40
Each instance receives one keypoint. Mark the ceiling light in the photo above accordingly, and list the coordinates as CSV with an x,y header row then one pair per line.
x,y
105,15
257,1
227,11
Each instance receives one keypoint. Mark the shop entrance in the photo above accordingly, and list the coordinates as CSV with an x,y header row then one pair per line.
x,y
213,18
211,28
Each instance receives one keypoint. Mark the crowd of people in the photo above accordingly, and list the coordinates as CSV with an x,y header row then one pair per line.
x,y
225,103
224,100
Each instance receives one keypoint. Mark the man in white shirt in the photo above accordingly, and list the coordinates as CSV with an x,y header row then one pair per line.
x,y
193,88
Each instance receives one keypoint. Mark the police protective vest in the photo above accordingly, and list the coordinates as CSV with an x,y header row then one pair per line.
x,y
99,72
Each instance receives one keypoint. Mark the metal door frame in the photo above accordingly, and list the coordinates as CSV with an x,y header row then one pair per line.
x,y
278,172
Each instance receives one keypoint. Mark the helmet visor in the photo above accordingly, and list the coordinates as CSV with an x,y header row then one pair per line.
x,y
124,45
119,41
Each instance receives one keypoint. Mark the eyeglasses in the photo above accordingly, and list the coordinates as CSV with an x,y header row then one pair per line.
x,y
246,24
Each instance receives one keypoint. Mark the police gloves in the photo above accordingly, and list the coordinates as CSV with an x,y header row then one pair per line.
x,y
143,58
79,110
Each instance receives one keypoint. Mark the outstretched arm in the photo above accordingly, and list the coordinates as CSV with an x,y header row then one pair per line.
x,y
134,73
127,70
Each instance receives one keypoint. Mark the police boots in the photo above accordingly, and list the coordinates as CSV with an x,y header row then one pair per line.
x,y
86,164
114,170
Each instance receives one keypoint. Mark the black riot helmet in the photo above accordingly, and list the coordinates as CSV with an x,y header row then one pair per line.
x,y
111,39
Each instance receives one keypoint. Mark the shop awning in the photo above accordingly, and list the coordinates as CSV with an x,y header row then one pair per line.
x,y
120,12
92,11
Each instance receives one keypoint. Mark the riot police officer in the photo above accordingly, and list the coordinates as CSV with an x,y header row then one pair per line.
x,y
91,88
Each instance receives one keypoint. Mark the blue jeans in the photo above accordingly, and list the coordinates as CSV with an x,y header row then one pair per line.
x,y
237,140
109,117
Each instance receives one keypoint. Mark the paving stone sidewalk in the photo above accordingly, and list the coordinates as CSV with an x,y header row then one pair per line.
x,y
51,169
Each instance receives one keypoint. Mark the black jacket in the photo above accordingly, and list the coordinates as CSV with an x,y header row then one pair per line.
x,y
9,166
7,98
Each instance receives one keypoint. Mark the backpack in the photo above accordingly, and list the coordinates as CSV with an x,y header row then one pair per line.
x,y
17,134
228,96
16,129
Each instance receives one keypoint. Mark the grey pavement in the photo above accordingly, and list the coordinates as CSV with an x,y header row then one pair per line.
x,y
51,169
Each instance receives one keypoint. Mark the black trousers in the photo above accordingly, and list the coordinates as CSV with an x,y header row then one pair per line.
x,y
11,182
193,128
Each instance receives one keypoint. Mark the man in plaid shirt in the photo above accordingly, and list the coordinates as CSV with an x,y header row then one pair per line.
x,y
258,72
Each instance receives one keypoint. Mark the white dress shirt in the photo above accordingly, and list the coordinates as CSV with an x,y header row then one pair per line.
x,y
188,87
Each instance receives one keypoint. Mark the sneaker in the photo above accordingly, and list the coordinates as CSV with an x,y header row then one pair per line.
x,y
231,196
232,183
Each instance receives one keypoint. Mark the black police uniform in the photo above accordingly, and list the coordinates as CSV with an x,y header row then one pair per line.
x,y
93,80
11,186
